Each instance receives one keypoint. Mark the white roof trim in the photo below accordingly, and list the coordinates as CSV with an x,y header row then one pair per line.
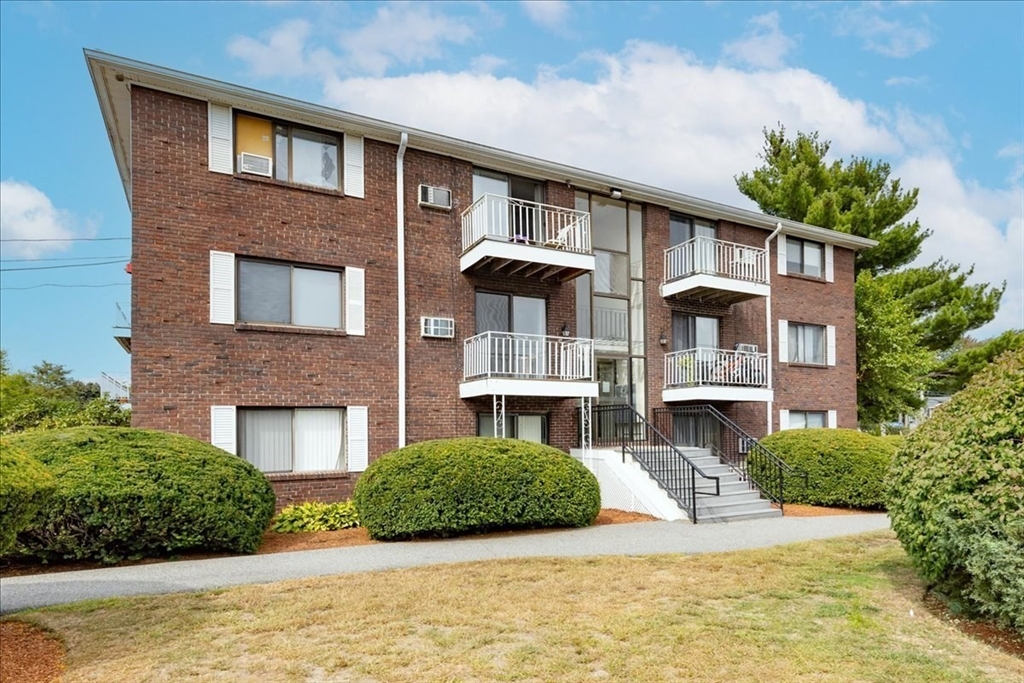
x,y
111,73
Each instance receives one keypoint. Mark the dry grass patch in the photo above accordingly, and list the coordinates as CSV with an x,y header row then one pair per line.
x,y
825,611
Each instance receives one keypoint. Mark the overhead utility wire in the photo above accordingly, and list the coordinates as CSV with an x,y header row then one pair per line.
x,y
49,284
64,239
68,265
61,258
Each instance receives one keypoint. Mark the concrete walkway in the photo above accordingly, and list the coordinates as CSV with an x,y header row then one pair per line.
x,y
647,538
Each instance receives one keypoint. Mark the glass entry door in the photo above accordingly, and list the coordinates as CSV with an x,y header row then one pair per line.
x,y
512,352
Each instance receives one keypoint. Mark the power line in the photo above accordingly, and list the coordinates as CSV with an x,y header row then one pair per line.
x,y
62,258
110,284
65,239
69,265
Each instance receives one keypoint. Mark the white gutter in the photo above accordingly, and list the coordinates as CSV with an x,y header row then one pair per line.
x,y
768,322
400,212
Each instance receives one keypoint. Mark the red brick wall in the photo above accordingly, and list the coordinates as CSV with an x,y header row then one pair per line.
x,y
326,487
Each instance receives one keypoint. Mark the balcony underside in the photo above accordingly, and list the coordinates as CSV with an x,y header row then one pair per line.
x,y
509,386
714,289
501,257
124,341
716,393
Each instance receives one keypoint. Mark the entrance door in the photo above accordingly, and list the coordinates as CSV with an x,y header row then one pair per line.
x,y
523,315
613,390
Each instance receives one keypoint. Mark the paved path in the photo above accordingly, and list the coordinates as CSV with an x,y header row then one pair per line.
x,y
647,538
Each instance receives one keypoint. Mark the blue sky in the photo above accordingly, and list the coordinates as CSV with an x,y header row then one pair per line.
x,y
672,94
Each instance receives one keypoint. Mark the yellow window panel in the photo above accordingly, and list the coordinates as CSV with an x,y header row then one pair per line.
x,y
254,136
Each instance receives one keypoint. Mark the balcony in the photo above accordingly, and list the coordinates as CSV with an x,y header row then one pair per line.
x,y
510,364
715,271
123,326
716,375
506,236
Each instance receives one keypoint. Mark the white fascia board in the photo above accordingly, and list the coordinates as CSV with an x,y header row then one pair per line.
x,y
501,248
704,280
198,87
754,394
527,387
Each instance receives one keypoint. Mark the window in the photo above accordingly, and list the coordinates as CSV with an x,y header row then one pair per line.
x,y
283,294
684,228
807,419
526,427
611,273
694,332
806,344
300,440
804,257
297,155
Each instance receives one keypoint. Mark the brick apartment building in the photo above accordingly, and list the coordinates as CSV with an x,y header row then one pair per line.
x,y
312,288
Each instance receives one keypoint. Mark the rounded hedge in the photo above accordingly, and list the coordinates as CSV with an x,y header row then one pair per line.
x,y
844,467
956,494
129,493
25,488
472,485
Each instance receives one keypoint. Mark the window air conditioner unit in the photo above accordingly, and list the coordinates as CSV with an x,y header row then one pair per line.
x,y
436,197
255,164
746,348
438,328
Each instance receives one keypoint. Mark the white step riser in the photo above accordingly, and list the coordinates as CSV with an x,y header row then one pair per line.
x,y
736,518
706,508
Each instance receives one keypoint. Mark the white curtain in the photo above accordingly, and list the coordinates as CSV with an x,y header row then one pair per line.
x,y
266,439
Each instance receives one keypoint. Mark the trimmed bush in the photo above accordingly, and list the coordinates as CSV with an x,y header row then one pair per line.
x,y
130,493
844,467
956,494
314,516
473,485
25,488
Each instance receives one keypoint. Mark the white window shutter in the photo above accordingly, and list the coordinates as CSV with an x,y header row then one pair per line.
x,y
355,301
832,421
223,428
783,420
222,288
222,146
354,185
781,241
783,341
830,350
357,437
830,267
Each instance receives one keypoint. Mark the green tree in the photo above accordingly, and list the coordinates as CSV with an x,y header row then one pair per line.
x,y
892,365
860,198
968,357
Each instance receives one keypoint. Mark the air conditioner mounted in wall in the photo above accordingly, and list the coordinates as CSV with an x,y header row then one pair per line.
x,y
746,348
435,197
255,164
438,328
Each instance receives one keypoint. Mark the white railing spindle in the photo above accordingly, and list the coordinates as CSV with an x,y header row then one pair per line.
x,y
528,356
517,220
716,367
704,255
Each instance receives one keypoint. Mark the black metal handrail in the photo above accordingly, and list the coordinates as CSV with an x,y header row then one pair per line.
x,y
706,427
621,426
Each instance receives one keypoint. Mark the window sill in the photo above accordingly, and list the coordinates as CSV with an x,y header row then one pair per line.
x,y
289,329
809,278
312,474
823,366
249,177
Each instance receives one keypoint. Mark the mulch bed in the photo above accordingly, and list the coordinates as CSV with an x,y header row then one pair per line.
x,y
28,654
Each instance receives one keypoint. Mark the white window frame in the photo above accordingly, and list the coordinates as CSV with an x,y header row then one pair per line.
x,y
829,344
784,253
291,286
295,436
786,418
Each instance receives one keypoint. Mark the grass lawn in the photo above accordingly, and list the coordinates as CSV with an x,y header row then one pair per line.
x,y
841,610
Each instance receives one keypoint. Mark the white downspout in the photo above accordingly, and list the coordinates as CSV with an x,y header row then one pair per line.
x,y
400,212
768,321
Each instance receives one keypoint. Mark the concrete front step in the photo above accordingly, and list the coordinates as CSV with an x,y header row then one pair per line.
x,y
708,517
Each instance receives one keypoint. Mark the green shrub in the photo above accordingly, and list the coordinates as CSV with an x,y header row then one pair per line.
x,y
25,488
317,517
42,412
956,494
130,493
844,467
457,486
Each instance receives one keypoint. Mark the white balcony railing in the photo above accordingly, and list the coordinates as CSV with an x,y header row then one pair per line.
x,y
520,221
708,256
528,356
716,367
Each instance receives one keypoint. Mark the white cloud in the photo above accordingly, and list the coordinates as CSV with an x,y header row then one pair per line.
x,y
1014,151
281,52
763,46
898,81
653,114
547,13
27,213
971,225
888,37
486,64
